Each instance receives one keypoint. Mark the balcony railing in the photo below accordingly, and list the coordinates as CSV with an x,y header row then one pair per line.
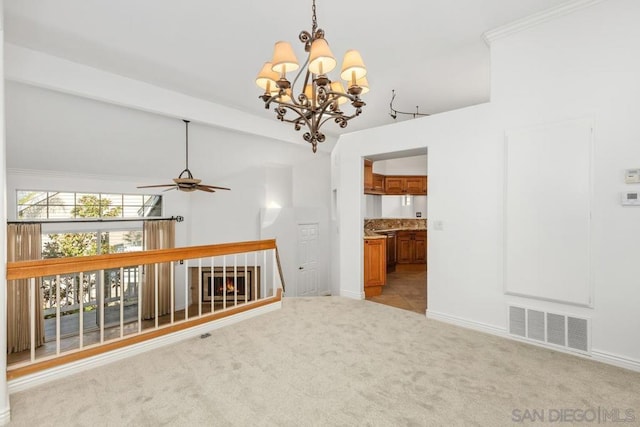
x,y
95,304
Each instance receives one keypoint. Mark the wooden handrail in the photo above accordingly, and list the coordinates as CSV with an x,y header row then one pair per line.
x,y
51,267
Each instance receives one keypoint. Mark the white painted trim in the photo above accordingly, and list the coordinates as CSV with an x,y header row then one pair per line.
x,y
466,323
350,294
5,416
59,372
615,360
536,19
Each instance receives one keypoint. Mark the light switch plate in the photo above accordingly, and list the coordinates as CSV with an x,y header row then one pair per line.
x,y
632,176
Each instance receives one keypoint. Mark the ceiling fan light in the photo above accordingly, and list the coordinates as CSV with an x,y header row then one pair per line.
x,y
352,67
284,59
321,60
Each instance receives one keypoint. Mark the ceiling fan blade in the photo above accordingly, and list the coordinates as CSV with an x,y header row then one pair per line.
x,y
213,186
159,185
205,188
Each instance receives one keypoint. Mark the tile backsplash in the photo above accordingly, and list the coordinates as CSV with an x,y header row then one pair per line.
x,y
392,223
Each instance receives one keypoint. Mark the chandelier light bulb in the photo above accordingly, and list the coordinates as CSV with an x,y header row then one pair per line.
x,y
321,60
284,58
352,67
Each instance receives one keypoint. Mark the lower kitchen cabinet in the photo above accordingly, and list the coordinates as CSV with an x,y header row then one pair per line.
x,y
375,266
411,247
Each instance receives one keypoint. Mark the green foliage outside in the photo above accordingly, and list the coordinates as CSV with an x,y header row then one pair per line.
x,y
81,244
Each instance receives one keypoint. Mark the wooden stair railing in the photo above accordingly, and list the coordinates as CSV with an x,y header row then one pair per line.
x,y
60,266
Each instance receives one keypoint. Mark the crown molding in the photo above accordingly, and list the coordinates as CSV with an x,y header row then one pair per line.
x,y
537,19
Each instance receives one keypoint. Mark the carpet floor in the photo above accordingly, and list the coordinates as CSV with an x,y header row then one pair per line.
x,y
335,361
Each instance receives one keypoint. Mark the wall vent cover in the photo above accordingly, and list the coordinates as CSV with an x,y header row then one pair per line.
x,y
555,329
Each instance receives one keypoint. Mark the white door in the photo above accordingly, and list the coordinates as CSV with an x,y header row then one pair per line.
x,y
307,278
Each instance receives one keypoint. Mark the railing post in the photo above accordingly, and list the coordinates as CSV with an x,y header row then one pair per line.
x,y
274,263
32,316
58,314
81,317
121,287
101,301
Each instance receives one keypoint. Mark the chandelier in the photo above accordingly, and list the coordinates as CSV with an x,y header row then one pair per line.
x,y
320,98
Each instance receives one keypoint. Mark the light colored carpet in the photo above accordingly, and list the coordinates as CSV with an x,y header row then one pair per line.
x,y
331,361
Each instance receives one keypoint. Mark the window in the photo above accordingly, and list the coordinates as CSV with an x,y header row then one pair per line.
x,y
53,205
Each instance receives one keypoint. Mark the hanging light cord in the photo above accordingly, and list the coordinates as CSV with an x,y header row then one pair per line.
x,y
394,113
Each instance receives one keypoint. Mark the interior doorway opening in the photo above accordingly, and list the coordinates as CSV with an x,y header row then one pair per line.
x,y
395,216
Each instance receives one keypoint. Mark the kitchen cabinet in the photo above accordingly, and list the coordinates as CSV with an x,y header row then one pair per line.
x,y
378,184
415,185
391,250
368,176
412,247
373,182
375,266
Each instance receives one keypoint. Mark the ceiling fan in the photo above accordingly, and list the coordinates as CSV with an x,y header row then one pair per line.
x,y
185,181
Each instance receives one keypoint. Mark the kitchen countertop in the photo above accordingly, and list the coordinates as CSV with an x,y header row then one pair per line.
x,y
375,234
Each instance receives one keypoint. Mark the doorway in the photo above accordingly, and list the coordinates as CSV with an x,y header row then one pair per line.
x,y
307,273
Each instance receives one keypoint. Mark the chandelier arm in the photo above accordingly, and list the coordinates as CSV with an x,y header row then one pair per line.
x,y
297,111
306,79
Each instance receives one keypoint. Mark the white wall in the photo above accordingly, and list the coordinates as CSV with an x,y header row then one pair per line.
x,y
413,165
395,207
57,141
4,395
576,65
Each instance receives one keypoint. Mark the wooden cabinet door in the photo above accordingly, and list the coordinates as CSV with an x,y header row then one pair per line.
x,y
378,183
394,185
420,247
404,248
426,184
368,175
414,185
375,262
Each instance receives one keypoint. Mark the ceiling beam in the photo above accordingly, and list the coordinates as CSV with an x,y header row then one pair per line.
x,y
42,70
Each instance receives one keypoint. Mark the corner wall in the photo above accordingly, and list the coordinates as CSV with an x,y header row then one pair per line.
x,y
562,67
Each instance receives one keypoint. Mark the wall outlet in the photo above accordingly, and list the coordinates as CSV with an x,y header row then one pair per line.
x,y
418,214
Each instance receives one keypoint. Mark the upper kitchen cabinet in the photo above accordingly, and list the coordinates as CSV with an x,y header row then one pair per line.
x,y
414,185
373,182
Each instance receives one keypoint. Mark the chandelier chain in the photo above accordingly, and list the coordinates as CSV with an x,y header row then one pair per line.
x,y
314,21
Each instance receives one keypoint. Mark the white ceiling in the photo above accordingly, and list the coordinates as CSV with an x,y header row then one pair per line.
x,y
431,51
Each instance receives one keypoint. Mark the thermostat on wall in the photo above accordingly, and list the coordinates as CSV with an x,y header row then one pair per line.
x,y
630,198
632,176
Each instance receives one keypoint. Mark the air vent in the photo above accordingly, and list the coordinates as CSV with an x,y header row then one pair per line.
x,y
535,325
517,321
577,333
569,332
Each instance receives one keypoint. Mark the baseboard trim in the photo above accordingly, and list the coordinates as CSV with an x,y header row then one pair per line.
x,y
351,294
42,377
615,360
595,355
466,323
5,416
